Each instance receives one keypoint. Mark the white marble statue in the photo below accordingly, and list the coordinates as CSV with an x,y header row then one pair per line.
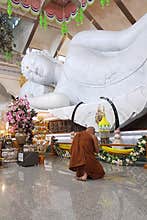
x,y
99,63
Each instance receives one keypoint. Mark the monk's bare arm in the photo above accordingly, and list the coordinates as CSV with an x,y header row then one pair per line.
x,y
96,144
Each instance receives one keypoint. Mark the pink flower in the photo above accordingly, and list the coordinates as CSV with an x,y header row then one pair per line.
x,y
20,114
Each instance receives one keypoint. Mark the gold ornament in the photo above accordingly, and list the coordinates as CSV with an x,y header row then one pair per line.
x,y
22,80
99,114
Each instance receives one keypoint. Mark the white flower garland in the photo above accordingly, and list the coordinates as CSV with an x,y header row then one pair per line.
x,y
124,160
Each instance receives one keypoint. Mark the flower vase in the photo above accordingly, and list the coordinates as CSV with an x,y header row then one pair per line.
x,y
21,138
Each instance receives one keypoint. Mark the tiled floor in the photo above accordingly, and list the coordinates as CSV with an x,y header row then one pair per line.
x,y
52,193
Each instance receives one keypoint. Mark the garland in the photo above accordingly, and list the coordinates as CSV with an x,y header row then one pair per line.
x,y
60,152
121,160
124,160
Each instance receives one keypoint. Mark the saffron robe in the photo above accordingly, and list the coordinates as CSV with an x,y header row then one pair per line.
x,y
83,158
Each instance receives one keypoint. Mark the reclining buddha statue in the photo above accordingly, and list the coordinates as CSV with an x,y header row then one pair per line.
x,y
99,63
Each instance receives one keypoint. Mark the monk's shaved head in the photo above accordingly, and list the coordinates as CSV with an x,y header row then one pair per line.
x,y
90,130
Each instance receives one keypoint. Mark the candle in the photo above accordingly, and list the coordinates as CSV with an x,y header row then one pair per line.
x,y
7,126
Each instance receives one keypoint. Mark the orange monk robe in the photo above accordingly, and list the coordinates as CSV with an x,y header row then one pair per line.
x,y
83,158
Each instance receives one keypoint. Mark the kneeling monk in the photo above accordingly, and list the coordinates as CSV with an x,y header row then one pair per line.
x,y
83,160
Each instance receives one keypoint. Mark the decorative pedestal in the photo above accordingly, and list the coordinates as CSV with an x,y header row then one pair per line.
x,y
104,130
26,159
104,136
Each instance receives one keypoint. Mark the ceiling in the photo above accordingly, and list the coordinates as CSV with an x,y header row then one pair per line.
x,y
120,14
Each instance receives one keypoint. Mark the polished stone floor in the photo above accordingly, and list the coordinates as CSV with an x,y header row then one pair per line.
x,y
52,193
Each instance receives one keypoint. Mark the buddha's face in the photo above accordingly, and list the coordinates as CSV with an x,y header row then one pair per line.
x,y
37,68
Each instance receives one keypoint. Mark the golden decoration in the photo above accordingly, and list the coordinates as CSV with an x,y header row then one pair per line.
x,y
99,114
22,80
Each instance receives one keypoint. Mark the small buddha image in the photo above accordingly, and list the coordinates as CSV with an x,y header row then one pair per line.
x,y
99,114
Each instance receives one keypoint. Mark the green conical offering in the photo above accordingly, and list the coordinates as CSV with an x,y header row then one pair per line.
x,y
9,8
45,22
64,28
79,17
41,20
102,3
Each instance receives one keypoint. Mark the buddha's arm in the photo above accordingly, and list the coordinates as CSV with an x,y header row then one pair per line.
x,y
108,41
97,40
49,101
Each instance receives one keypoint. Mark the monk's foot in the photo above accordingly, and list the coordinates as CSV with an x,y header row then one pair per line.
x,y
82,178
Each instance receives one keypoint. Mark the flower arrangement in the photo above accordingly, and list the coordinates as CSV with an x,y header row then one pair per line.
x,y
61,152
20,116
130,159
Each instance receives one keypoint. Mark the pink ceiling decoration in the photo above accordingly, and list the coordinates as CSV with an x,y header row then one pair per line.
x,y
32,5
60,10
